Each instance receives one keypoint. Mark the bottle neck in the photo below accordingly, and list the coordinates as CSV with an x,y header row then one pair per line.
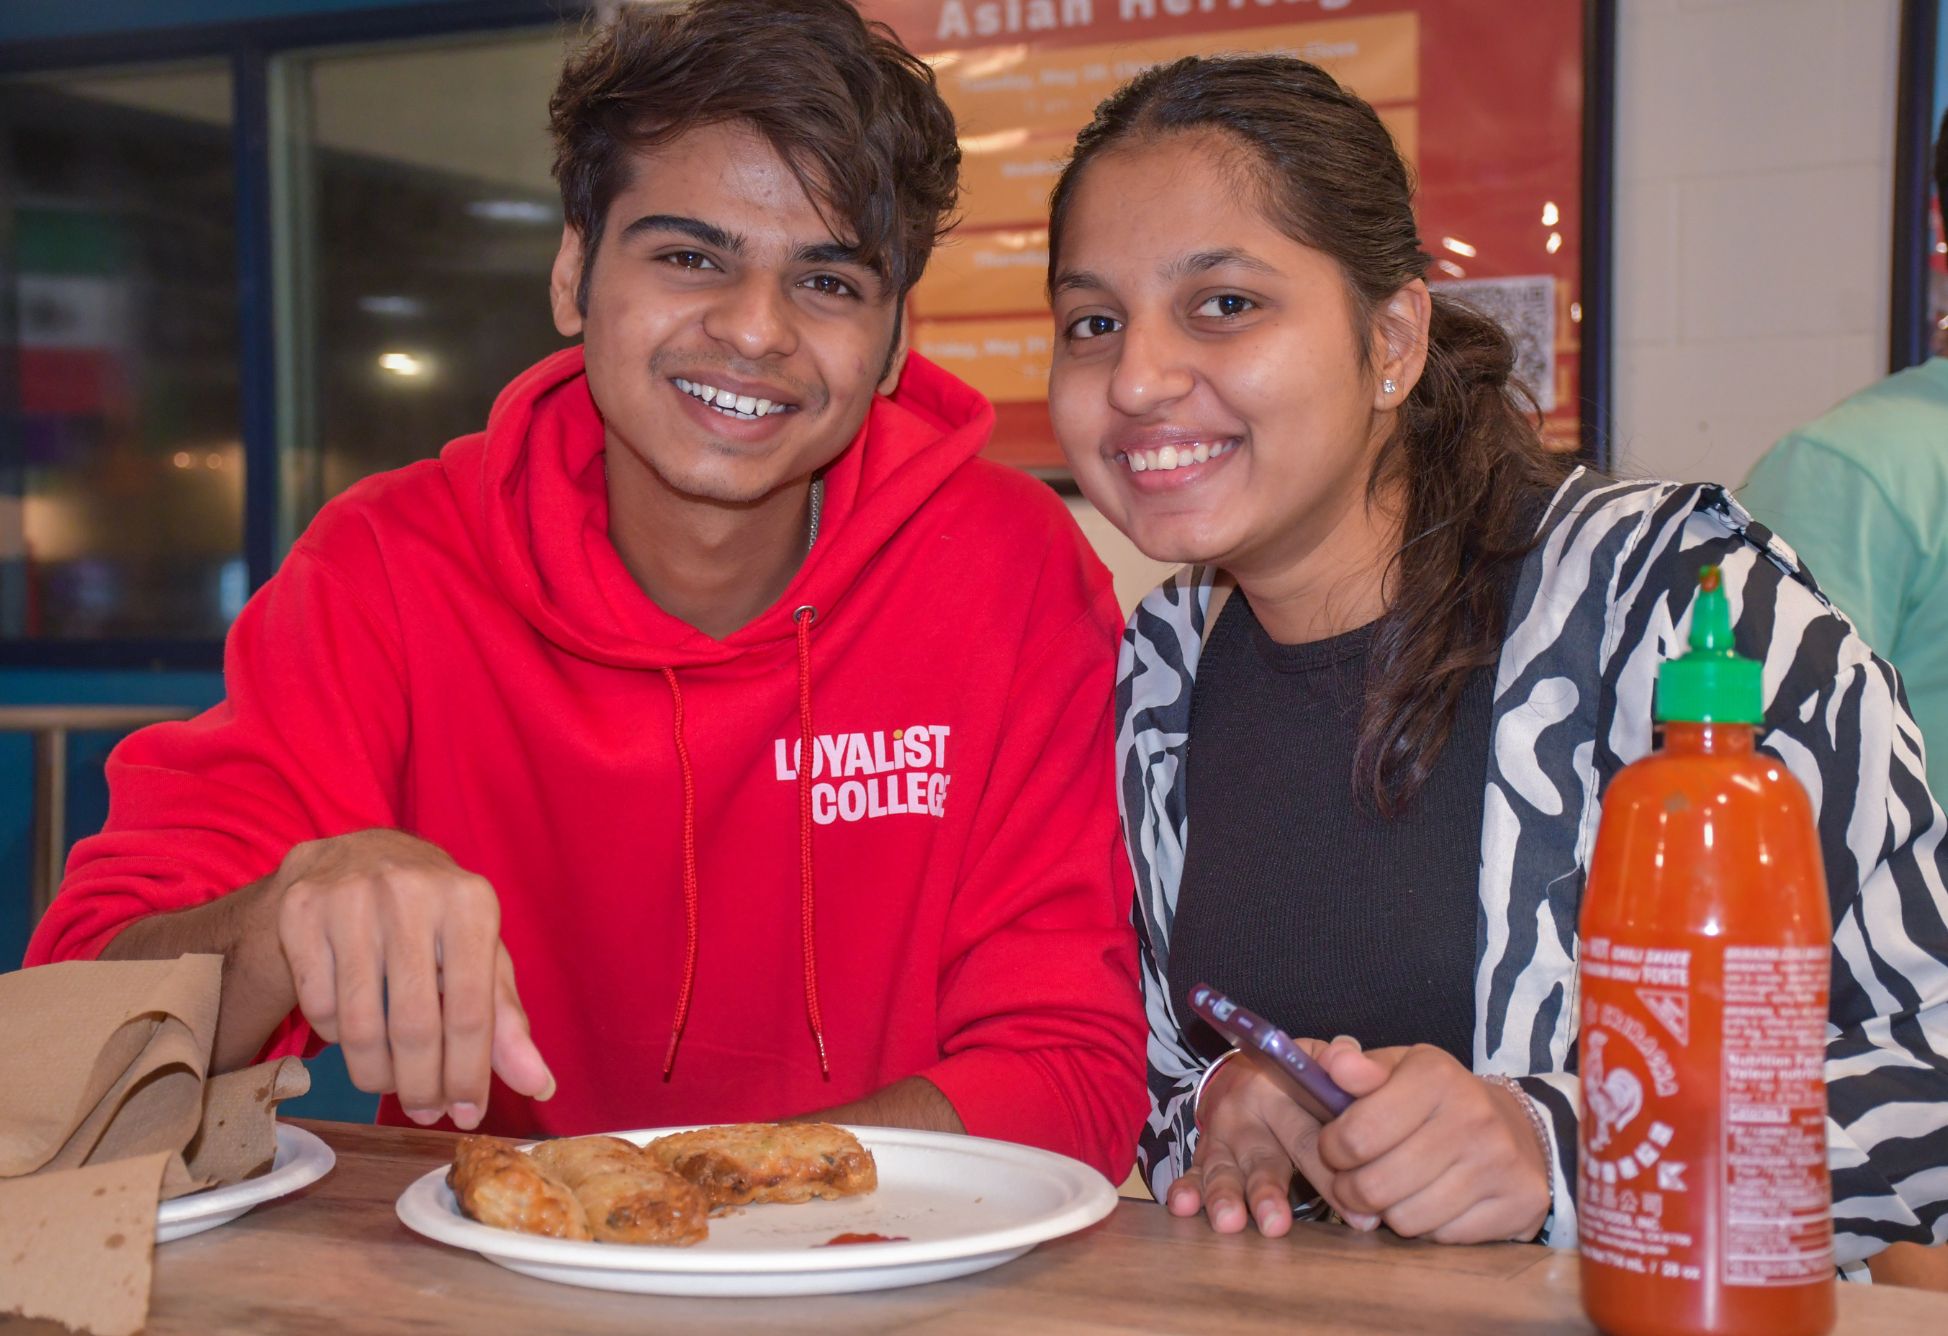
x,y
1710,739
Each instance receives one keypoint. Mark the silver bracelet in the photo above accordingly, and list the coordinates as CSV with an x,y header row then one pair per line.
x,y
1197,1095
1536,1125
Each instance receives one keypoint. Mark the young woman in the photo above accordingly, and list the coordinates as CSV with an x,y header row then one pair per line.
x,y
1363,738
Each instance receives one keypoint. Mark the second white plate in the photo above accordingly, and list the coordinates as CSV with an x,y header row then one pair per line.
x,y
301,1160
958,1204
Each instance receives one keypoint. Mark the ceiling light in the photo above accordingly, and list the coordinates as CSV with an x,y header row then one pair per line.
x,y
514,211
392,304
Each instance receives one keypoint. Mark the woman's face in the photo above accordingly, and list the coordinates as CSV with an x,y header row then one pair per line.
x,y
1208,385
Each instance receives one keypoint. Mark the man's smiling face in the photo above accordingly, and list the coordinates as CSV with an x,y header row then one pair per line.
x,y
733,341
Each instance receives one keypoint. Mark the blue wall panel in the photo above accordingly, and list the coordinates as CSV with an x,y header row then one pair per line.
x,y
332,1094
87,793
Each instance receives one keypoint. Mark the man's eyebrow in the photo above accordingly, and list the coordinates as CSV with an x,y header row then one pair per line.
x,y
834,252
708,234
849,253
1201,261
1074,280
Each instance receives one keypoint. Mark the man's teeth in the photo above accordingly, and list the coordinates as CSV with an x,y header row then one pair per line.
x,y
742,406
1167,457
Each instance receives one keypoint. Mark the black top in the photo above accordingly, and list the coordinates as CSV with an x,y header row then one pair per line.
x,y
1298,899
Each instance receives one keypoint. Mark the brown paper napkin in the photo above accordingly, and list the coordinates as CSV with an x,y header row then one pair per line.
x,y
85,1266
103,1060
104,1108
238,1138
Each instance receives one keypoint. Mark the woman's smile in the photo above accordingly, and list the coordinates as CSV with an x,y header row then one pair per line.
x,y
1170,458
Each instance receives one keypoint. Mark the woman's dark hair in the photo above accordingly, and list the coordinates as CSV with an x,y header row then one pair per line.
x,y
856,116
1466,455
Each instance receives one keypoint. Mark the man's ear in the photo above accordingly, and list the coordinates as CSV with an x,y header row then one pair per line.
x,y
1399,352
565,283
889,379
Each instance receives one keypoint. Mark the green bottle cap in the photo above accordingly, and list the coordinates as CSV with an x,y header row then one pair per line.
x,y
1712,684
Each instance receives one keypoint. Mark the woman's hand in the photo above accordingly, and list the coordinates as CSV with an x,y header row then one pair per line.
x,y
1431,1148
1254,1137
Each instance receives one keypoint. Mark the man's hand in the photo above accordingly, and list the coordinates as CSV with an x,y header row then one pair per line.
x,y
395,955
1431,1148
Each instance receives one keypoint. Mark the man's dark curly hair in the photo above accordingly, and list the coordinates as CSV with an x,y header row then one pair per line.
x,y
855,115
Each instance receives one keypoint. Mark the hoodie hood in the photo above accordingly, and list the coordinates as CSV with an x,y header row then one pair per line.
x,y
532,489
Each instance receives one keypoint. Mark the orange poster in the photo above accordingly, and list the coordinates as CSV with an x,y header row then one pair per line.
x,y
1484,99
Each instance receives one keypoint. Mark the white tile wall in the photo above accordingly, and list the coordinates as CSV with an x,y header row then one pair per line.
x,y
1755,143
1134,573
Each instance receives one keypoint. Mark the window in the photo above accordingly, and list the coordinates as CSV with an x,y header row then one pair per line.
x,y
121,462
417,221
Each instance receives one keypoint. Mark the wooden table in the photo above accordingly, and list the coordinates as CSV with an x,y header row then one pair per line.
x,y
335,1260
50,725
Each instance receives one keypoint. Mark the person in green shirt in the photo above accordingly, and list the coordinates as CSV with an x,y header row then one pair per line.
x,y
1862,495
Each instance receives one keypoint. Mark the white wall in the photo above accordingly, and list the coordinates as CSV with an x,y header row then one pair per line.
x,y
1755,169
1135,574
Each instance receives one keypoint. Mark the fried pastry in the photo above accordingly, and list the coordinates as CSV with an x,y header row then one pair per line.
x,y
498,1185
627,1195
766,1162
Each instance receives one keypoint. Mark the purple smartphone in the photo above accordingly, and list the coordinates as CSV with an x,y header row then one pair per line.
x,y
1250,1031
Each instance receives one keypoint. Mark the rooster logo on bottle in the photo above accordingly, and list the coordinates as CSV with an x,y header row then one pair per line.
x,y
1615,1097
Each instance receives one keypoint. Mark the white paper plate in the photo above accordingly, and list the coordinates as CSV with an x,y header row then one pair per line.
x,y
301,1160
963,1204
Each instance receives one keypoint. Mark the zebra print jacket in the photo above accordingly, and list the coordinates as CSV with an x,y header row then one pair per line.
x,y
1601,601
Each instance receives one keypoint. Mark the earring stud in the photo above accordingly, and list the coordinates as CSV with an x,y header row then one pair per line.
x,y
1387,386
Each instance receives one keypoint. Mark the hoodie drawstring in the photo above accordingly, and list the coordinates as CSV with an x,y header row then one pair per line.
x,y
803,617
689,876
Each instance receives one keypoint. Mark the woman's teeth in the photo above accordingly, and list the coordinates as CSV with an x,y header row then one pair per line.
x,y
1168,457
740,406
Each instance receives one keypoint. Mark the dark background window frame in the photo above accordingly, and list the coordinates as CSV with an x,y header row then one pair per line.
x,y
248,48
1911,336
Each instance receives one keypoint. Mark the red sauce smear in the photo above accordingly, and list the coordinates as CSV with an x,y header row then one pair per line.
x,y
838,1239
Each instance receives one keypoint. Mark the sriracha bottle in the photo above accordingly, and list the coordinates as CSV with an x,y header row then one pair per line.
x,y
1702,1192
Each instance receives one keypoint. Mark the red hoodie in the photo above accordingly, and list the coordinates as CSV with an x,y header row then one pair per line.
x,y
455,649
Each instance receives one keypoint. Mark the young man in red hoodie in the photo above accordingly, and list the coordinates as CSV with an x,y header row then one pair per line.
x,y
717,692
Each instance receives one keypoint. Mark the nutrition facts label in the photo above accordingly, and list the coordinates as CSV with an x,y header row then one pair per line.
x,y
1777,1213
